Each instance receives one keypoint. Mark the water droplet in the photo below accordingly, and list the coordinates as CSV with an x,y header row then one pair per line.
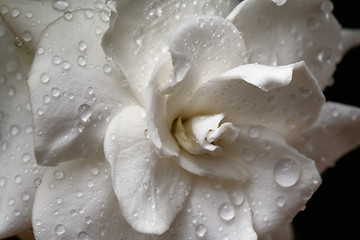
x,y
56,60
82,61
18,179
58,200
237,198
280,202
107,68
60,5
59,229
27,36
25,196
26,157
29,14
88,220
286,172
15,12
104,15
253,132
46,99
37,182
44,78
326,56
83,236
66,65
85,112
82,46
58,174
14,130
327,7
55,92
201,230
2,181
226,211
95,171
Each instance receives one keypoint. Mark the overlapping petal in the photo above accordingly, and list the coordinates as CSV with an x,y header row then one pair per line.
x,y
151,190
201,49
138,37
27,19
296,31
18,166
215,210
286,98
73,83
336,132
76,201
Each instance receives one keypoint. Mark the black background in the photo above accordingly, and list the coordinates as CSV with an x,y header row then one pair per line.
x,y
334,210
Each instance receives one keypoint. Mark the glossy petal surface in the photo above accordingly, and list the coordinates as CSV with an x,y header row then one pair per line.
x,y
151,190
75,90
75,201
139,35
295,31
18,166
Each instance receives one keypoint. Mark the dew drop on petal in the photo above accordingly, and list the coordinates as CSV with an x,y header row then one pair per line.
x,y
82,46
286,172
44,78
27,36
58,174
14,130
85,112
60,5
59,229
226,211
26,157
56,60
55,92
280,202
201,230
237,198
83,236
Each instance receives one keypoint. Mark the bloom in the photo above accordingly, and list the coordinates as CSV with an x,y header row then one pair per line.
x,y
205,144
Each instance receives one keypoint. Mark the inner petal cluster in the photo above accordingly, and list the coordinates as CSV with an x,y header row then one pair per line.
x,y
203,134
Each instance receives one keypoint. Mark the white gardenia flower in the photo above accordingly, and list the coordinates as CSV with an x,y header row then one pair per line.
x,y
178,122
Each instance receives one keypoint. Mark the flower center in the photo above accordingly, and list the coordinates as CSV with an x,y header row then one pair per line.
x,y
204,134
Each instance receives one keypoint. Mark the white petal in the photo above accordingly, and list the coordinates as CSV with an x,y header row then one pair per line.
x,y
138,38
284,232
76,201
281,180
298,30
350,38
336,132
286,99
27,19
18,166
74,89
201,49
151,190
212,46
215,210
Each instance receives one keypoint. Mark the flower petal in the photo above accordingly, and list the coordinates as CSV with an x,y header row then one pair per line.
x,y
284,232
298,30
76,201
74,89
138,38
286,98
215,210
200,50
336,132
151,190
281,180
18,166
27,19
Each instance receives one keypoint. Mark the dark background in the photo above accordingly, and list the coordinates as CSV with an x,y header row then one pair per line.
x,y
334,210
